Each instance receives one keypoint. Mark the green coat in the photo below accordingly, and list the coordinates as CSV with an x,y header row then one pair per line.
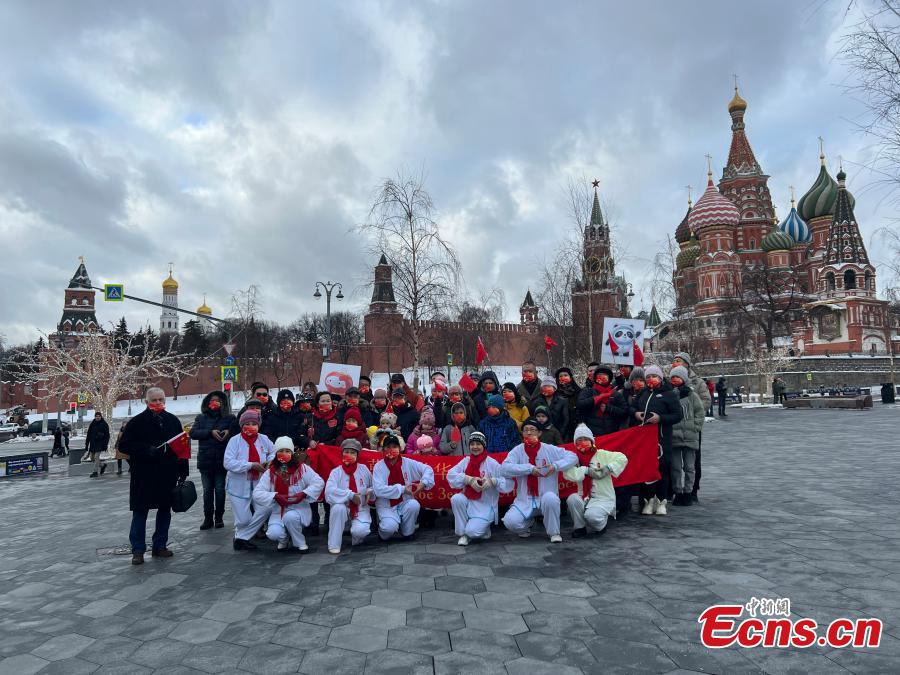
x,y
686,434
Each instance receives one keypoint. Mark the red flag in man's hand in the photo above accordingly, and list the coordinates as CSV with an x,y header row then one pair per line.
x,y
180,445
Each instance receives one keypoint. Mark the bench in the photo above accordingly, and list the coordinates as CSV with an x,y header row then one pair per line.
x,y
25,464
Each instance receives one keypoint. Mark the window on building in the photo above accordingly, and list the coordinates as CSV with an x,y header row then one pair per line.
x,y
867,281
753,243
849,279
829,281
74,302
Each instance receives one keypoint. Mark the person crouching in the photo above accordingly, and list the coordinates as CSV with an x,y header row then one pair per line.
x,y
349,491
478,475
591,510
534,466
397,482
284,491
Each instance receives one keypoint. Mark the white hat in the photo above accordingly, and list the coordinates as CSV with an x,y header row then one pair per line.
x,y
284,443
582,431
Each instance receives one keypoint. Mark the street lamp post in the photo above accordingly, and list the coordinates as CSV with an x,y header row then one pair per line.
x,y
629,295
329,287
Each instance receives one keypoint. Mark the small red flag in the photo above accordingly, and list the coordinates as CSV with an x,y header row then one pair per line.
x,y
468,383
549,343
455,435
480,353
638,355
180,445
613,345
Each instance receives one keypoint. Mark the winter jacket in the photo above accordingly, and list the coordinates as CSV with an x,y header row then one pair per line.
x,y
500,432
479,397
699,387
622,408
664,402
603,466
569,393
463,447
280,423
414,437
267,410
518,413
154,468
407,418
721,387
557,409
550,435
594,412
211,451
441,407
686,434
325,430
97,437
529,392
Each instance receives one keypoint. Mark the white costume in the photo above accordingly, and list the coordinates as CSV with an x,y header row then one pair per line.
x,y
403,516
550,460
295,516
594,511
239,485
338,494
473,517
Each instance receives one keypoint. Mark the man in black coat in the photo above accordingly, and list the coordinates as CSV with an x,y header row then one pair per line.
x,y
259,397
286,419
155,470
211,430
97,441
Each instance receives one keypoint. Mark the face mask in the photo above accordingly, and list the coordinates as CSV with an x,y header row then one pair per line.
x,y
325,405
603,379
363,389
264,398
379,403
353,400
157,407
547,391
509,396
677,381
531,442
348,459
214,405
583,444
392,452
564,378
305,407
528,376
286,405
250,430
492,411
351,424
283,456
455,398
459,418
653,382
637,386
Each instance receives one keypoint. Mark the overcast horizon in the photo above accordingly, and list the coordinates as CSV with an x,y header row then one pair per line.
x,y
243,141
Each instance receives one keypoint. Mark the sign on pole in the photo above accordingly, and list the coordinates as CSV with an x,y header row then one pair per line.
x,y
809,377
229,347
113,292
82,397
228,360
229,373
449,359
619,338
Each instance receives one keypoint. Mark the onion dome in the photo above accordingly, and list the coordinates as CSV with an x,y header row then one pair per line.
x,y
170,284
683,232
737,103
713,209
795,228
777,240
820,198
204,308
688,255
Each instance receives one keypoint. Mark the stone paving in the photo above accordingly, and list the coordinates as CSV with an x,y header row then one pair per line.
x,y
797,504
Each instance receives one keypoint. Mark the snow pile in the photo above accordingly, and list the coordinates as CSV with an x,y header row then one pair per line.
x,y
756,405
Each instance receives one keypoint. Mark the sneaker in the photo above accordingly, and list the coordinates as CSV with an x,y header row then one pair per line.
x,y
463,541
524,535
555,539
650,506
579,532
207,523
661,508
283,545
303,549
334,551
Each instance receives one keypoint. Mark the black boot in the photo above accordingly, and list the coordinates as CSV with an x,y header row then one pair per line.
x,y
219,523
579,532
244,545
207,522
694,499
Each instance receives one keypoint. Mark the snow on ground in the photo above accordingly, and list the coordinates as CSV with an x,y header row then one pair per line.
x,y
747,406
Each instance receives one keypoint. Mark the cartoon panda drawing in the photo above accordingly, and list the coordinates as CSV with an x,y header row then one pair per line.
x,y
624,336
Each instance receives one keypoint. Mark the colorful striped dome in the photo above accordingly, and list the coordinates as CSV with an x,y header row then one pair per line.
x,y
777,240
795,228
712,209
820,198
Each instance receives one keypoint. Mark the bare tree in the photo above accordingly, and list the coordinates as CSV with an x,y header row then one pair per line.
x,y
488,307
765,362
347,334
94,366
425,267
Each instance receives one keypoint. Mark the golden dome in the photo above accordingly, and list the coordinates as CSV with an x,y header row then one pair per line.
x,y
170,284
737,103
204,308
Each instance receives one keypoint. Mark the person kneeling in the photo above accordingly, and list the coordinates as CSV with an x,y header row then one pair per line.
x,y
284,491
591,511
534,466
478,474
349,491
397,482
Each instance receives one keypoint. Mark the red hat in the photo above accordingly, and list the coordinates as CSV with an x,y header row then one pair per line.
x,y
353,414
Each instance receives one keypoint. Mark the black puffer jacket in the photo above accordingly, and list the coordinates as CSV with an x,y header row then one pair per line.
x,y
479,396
664,402
280,423
569,392
211,451
97,436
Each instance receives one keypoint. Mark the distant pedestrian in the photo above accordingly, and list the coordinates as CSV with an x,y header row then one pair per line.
x,y
119,454
97,441
58,443
722,395
155,470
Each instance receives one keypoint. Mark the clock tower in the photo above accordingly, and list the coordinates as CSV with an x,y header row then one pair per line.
x,y
598,292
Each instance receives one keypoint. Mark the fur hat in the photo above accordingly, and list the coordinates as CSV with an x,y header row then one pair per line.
x,y
478,437
549,382
495,401
251,417
582,431
637,373
351,444
390,418
679,371
283,443
654,370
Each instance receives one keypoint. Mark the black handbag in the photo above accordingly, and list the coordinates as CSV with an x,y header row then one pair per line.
x,y
183,496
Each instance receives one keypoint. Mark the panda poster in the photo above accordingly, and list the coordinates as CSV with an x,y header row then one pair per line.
x,y
622,338
337,378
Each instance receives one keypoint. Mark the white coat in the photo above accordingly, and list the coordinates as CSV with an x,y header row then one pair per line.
x,y
412,471
337,489
550,459
486,507
603,466
237,484
310,483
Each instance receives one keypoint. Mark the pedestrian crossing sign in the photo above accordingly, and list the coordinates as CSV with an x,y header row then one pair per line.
x,y
229,373
113,292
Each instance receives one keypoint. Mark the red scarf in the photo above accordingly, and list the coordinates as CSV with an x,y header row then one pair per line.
x,y
319,415
282,486
350,470
585,460
358,434
474,469
531,449
395,477
252,455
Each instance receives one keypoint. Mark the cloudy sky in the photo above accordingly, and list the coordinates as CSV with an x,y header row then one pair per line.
x,y
243,140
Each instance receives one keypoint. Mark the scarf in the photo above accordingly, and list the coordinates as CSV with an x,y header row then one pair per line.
x,y
351,474
319,415
474,469
252,455
395,477
603,392
358,434
532,449
283,477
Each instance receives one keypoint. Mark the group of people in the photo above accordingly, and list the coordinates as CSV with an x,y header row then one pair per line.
x,y
258,457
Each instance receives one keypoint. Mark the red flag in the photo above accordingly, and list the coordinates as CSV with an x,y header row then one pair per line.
x,y
468,383
480,353
180,445
638,355
548,343
455,435
613,346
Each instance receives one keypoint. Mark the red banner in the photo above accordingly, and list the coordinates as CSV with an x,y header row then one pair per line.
x,y
639,444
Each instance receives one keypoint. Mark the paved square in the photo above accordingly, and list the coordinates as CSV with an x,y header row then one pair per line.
x,y
796,504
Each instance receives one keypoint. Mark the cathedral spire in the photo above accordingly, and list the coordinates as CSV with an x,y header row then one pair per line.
x,y
741,160
596,213
845,245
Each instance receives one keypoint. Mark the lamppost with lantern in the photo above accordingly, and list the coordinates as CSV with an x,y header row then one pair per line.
x,y
329,287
